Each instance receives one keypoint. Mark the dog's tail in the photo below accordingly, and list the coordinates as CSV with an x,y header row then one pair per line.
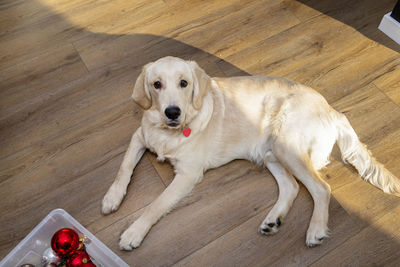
x,y
356,153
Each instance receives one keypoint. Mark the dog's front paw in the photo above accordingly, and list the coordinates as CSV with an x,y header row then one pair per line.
x,y
133,236
112,199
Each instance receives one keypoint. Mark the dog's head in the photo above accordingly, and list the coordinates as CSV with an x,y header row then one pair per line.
x,y
172,86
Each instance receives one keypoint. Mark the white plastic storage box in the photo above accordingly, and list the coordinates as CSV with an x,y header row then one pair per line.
x,y
31,248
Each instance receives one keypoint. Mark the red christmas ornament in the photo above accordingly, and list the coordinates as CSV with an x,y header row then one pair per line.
x,y
65,242
80,259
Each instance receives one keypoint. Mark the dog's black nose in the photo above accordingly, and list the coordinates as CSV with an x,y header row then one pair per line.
x,y
172,112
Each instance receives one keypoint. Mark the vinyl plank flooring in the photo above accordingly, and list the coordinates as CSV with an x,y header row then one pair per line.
x,y
378,244
243,246
67,70
251,22
191,14
101,49
57,67
304,12
307,58
389,82
225,198
106,16
345,10
22,41
17,17
64,107
28,43
133,50
14,14
50,164
348,12
364,18
367,204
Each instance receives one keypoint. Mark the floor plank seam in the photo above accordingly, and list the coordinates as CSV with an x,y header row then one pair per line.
x,y
80,57
154,168
305,20
371,80
383,92
125,63
354,173
395,59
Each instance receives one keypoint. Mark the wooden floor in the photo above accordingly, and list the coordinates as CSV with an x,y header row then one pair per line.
x,y
67,70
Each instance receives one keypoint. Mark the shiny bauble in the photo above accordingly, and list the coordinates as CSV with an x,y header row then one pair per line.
x,y
49,256
65,242
80,259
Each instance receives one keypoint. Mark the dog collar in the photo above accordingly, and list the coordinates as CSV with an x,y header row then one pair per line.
x,y
186,132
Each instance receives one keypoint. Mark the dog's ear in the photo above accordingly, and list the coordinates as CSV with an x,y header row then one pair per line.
x,y
141,94
202,83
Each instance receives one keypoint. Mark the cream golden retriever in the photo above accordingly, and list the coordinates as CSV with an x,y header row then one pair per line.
x,y
198,123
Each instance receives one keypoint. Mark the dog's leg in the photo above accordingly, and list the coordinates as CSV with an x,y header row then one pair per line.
x,y
180,187
301,167
288,189
117,190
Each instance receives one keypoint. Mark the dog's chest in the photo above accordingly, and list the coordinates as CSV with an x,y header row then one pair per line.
x,y
164,144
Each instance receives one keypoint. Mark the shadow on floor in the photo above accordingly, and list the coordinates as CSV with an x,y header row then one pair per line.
x,y
363,16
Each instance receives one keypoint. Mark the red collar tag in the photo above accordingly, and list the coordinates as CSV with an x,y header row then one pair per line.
x,y
186,132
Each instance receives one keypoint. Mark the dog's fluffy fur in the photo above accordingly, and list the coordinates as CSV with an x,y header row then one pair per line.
x,y
286,126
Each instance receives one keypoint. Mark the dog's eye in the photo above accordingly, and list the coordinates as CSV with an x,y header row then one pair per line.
x,y
184,83
157,85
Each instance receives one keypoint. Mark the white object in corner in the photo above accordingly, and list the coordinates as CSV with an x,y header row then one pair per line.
x,y
390,27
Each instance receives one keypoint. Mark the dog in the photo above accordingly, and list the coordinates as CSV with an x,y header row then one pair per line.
x,y
199,123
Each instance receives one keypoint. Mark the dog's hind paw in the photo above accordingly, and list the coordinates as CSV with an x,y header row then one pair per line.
x,y
315,236
269,228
